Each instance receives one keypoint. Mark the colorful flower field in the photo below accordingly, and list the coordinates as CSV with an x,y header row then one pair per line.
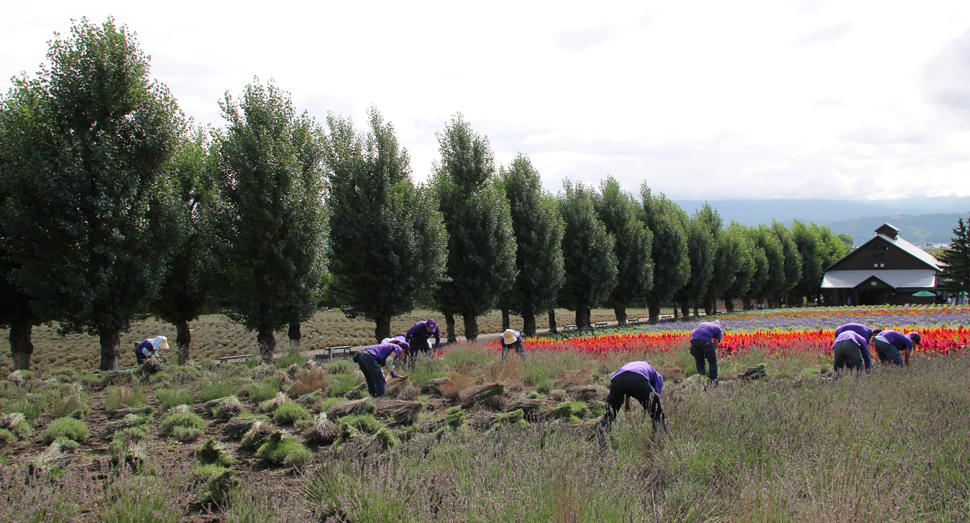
x,y
789,332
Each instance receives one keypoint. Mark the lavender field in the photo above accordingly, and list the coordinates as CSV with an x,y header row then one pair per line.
x,y
800,444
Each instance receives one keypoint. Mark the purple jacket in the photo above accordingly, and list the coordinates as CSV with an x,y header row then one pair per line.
x,y
418,335
857,328
897,339
851,335
644,369
383,350
707,331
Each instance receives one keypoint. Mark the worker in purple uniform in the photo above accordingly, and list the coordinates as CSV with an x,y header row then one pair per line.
x,y
865,333
149,348
849,346
512,340
703,346
373,358
640,381
895,347
418,335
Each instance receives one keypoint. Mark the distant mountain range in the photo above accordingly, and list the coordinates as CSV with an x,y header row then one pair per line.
x,y
919,220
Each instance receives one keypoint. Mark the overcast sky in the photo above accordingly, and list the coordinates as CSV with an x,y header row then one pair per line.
x,y
702,100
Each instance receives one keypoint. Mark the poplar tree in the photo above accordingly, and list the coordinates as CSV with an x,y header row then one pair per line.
x,y
633,242
700,251
82,185
538,229
735,244
792,260
185,292
481,244
588,253
386,241
769,277
671,265
269,218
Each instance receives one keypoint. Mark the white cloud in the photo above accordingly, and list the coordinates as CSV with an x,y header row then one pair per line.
x,y
702,99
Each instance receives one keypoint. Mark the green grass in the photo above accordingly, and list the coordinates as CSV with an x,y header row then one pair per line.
x,y
69,428
168,398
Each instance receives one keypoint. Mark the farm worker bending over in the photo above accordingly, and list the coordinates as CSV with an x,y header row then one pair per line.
x,y
857,328
418,335
512,340
373,358
863,331
851,347
640,381
149,348
891,344
703,346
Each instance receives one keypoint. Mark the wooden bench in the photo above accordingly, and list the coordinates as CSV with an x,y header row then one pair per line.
x,y
601,324
568,328
234,359
634,321
347,350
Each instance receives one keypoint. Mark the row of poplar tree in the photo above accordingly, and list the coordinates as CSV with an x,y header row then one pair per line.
x,y
113,204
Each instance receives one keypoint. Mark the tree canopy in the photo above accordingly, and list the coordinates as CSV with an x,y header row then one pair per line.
x,y
94,134
385,248
269,217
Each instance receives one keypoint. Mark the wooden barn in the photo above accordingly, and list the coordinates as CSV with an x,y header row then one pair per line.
x,y
886,270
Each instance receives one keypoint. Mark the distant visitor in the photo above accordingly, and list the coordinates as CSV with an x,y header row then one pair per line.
x,y
512,340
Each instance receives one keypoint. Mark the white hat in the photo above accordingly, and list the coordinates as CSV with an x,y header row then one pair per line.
x,y
160,342
509,336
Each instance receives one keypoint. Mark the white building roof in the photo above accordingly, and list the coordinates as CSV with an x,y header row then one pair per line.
x,y
916,278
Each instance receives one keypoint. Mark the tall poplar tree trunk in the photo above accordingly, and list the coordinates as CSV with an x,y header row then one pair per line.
x,y
709,307
729,305
506,322
529,325
382,329
654,310
110,350
450,327
620,312
20,345
685,310
471,326
553,328
582,318
266,341
183,340
294,334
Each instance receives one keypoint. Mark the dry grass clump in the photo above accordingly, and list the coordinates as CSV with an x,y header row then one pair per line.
x,y
309,380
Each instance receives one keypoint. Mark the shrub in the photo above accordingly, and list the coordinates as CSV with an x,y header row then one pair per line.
x,y
119,397
16,424
31,407
66,427
292,357
168,398
263,391
279,450
341,384
224,408
69,401
220,388
276,402
309,381
214,453
256,435
569,410
364,423
186,434
218,484
290,412
181,420
6,437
